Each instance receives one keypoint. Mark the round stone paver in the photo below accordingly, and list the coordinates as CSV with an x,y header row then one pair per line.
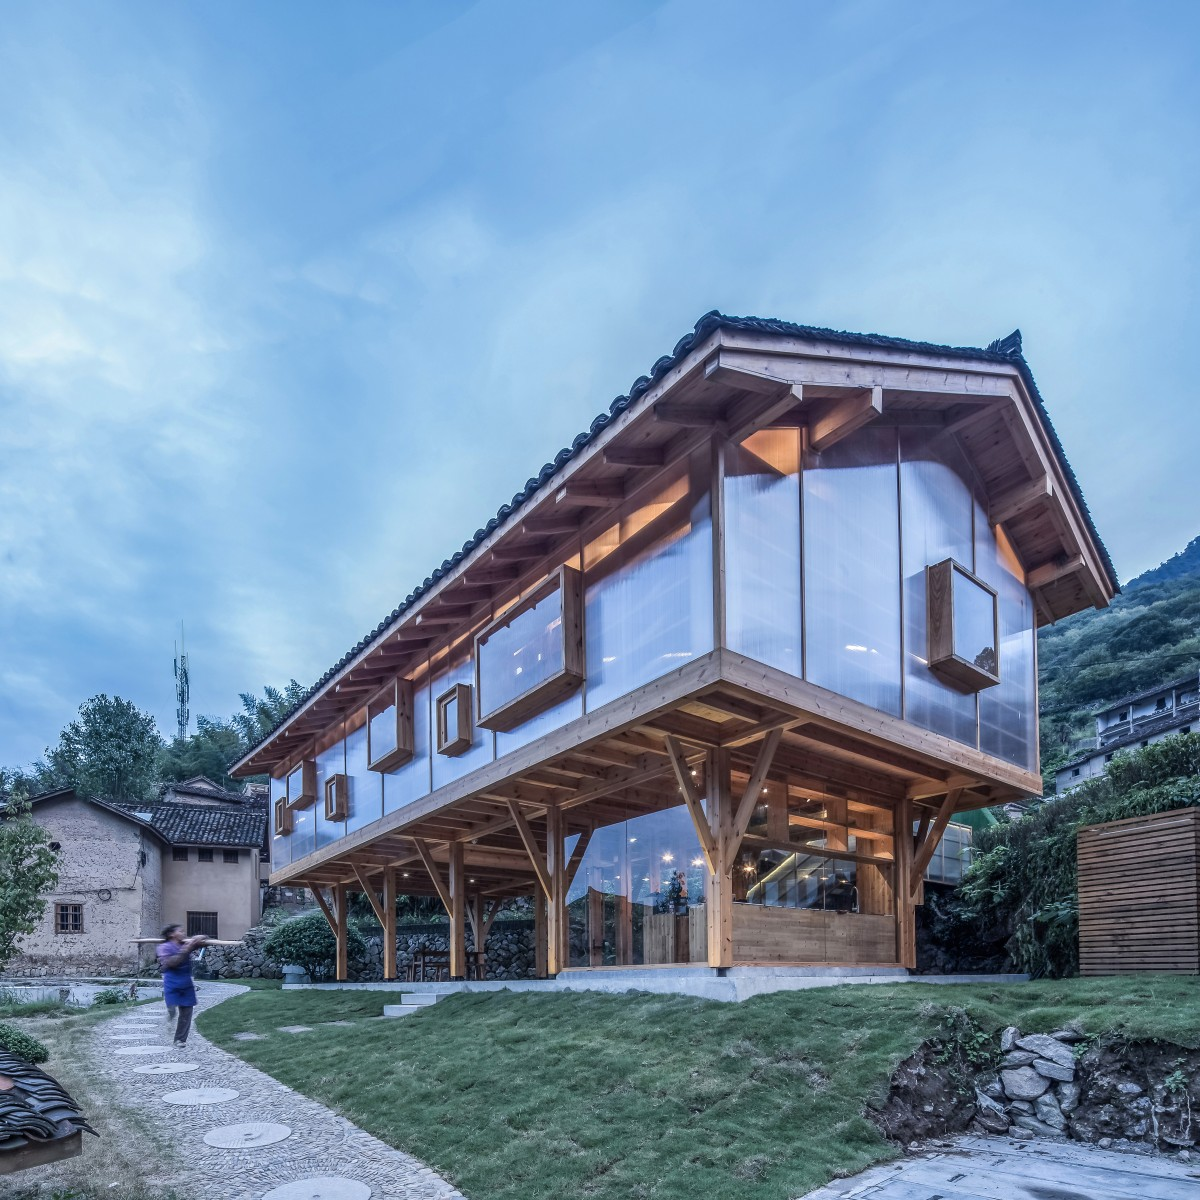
x,y
326,1187
142,1050
251,1135
201,1096
167,1068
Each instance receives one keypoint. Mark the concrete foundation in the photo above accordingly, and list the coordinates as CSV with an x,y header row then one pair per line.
x,y
734,985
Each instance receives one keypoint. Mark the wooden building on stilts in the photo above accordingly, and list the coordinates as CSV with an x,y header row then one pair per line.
x,y
712,686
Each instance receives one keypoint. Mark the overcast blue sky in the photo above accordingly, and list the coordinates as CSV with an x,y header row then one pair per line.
x,y
294,295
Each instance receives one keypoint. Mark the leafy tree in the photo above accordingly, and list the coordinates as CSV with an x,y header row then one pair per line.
x,y
308,942
111,750
259,717
209,751
28,870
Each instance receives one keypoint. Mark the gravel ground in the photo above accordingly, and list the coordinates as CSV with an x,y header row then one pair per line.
x,y
321,1143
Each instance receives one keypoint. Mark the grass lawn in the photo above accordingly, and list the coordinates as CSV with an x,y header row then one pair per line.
x,y
521,1096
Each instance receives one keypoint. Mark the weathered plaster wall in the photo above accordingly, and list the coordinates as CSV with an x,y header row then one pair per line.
x,y
110,867
231,890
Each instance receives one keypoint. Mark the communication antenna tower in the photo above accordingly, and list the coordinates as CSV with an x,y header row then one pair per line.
x,y
182,688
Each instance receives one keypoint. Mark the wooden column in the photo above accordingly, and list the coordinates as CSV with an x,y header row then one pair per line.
x,y
556,955
906,916
389,924
342,973
719,794
540,933
458,912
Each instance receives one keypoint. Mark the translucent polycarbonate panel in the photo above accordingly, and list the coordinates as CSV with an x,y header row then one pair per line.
x,y
852,569
330,761
383,728
518,656
638,894
411,781
366,787
303,826
295,784
654,612
281,845
542,723
974,623
762,548
936,507
1008,711
446,769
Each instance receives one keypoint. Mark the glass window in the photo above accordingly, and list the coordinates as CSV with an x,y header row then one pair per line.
x,y
937,518
852,569
302,785
974,623
409,782
390,726
229,856
638,894
179,854
461,669
762,548
281,842
331,760
649,592
204,856
531,655
202,923
68,918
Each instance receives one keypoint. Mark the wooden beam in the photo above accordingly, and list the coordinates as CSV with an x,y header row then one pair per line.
x,y
635,456
1052,572
369,892
520,551
724,367
767,414
342,935
435,876
925,853
719,891
558,947
389,924
708,843
1021,499
531,847
745,808
577,857
601,492
458,912
552,523
694,413
844,417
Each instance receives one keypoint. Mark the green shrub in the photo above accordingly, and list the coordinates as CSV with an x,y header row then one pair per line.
x,y
21,1044
111,995
308,942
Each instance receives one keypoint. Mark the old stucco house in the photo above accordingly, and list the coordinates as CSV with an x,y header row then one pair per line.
x,y
195,855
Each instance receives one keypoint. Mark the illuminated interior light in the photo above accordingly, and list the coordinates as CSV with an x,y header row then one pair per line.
x,y
697,861
609,658
632,840
858,649
668,857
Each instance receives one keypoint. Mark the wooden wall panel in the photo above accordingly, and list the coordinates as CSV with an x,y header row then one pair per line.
x,y
1139,895
762,934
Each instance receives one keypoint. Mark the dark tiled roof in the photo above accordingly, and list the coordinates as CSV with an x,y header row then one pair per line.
x,y
1005,350
1134,697
1180,718
36,1109
206,791
204,825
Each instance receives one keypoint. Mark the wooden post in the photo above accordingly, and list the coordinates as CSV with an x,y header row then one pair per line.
x,y
719,794
343,947
389,924
906,917
556,956
458,912
540,932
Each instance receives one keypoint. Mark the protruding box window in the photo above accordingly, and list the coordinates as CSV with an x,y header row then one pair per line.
x,y
531,656
454,720
963,631
302,784
337,798
283,818
390,726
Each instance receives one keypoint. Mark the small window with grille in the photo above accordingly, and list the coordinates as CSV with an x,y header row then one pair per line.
x,y
204,856
202,923
229,856
68,918
179,854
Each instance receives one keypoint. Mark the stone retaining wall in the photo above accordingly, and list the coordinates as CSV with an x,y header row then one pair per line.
x,y
510,953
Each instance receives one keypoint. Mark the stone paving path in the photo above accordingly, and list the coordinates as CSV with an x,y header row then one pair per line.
x,y
974,1168
321,1143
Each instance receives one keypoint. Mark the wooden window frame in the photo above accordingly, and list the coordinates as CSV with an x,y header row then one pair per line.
x,y
960,673
59,910
308,784
397,693
453,742
566,580
337,798
283,817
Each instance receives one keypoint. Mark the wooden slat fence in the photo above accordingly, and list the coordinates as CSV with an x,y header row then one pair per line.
x,y
1139,894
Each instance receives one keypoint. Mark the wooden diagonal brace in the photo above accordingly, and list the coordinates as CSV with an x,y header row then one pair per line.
x,y
369,892
434,874
577,854
323,904
708,844
745,810
531,847
925,853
